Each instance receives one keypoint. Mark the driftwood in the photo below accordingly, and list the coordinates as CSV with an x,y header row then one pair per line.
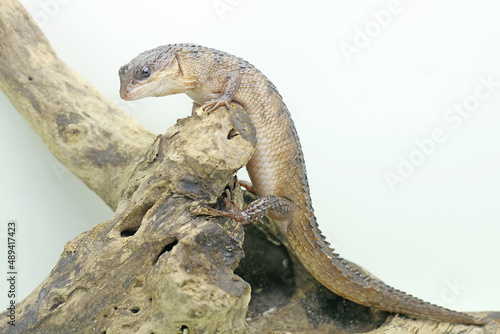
x,y
158,265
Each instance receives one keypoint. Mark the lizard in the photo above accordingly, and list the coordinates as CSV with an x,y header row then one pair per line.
x,y
213,78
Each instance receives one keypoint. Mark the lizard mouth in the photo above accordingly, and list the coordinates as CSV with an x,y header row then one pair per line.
x,y
126,93
134,91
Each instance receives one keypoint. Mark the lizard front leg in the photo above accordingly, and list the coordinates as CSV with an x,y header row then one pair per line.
x,y
231,86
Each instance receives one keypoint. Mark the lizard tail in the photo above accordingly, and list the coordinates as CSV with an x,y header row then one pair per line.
x,y
343,278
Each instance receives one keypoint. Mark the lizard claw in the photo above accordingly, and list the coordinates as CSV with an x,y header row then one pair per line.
x,y
215,104
228,201
232,211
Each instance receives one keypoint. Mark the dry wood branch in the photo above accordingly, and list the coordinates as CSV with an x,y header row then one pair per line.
x,y
86,132
155,266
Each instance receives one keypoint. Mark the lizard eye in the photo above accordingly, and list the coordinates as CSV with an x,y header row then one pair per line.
x,y
145,73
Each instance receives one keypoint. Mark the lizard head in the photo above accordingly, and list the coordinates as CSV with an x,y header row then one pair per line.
x,y
154,72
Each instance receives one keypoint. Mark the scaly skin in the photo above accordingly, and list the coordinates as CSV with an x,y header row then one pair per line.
x,y
213,78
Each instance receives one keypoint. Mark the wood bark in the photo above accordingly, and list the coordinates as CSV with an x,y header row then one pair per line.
x,y
158,265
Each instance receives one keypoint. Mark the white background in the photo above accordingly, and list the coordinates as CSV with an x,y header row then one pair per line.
x,y
435,235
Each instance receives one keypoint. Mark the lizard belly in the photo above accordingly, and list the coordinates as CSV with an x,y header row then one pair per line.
x,y
276,167
261,172
263,166
200,96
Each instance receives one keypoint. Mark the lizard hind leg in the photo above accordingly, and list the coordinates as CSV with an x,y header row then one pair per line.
x,y
277,207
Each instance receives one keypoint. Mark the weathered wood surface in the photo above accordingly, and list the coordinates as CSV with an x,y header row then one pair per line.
x,y
156,266
94,139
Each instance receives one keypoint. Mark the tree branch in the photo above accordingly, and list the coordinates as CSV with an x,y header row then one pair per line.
x,y
154,267
95,140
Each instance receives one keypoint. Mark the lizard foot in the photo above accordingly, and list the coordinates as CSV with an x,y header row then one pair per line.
x,y
232,211
281,208
216,103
